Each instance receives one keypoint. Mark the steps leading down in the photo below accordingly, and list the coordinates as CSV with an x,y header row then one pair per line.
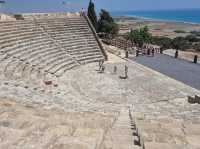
x,y
75,36
121,135
46,43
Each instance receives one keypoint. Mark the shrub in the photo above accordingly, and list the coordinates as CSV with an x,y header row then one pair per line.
x,y
140,36
163,42
192,38
18,17
196,46
107,25
196,33
179,31
180,43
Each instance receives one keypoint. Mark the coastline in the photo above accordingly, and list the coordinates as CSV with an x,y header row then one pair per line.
x,y
141,18
189,16
161,28
158,27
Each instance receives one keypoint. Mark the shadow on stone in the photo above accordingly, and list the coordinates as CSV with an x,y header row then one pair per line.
x,y
137,142
194,100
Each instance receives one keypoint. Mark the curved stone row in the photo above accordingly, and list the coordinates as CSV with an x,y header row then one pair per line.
x,y
75,36
32,48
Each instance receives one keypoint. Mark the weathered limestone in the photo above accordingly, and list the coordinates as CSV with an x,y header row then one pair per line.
x,y
5,17
50,43
168,134
30,127
56,107
121,132
157,119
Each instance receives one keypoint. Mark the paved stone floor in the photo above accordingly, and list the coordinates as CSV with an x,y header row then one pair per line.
x,y
92,110
181,70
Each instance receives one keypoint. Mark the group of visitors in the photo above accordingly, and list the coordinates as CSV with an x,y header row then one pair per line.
x,y
149,50
83,12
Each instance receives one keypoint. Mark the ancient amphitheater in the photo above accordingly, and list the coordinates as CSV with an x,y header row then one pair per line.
x,y
53,96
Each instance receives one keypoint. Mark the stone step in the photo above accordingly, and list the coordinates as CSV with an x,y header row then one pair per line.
x,y
59,64
19,36
39,54
23,47
121,133
59,72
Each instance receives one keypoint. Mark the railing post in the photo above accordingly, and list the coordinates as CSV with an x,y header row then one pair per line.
x,y
126,53
176,54
195,59
148,51
137,53
153,52
161,50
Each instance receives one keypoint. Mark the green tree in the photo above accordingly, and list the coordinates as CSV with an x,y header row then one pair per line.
x,y
92,14
147,38
135,37
140,36
196,46
107,25
192,38
104,15
163,42
180,43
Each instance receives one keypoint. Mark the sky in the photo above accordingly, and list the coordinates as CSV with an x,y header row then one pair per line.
x,y
111,5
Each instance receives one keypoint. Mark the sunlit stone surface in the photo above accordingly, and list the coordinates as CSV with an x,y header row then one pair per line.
x,y
85,109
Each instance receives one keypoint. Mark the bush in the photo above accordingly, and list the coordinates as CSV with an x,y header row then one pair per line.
x,y
163,42
196,33
180,43
18,17
192,38
179,31
107,25
196,46
140,36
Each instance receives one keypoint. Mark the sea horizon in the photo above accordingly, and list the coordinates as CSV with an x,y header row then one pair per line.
x,y
191,16
184,15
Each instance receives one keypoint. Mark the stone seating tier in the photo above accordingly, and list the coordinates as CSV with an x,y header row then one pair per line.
x,y
33,47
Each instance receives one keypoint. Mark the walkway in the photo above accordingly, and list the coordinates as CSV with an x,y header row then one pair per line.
x,y
177,69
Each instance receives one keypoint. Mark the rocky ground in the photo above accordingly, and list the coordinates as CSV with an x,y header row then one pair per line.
x,y
92,110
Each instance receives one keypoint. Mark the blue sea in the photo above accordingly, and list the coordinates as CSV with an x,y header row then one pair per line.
x,y
183,15
27,6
